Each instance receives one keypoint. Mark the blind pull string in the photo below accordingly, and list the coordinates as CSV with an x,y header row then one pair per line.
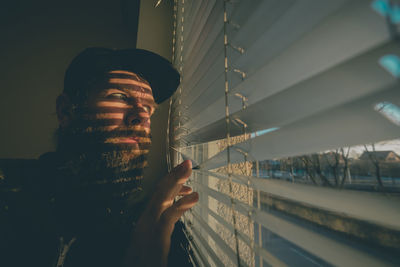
x,y
228,139
181,65
168,154
181,62
174,31
186,220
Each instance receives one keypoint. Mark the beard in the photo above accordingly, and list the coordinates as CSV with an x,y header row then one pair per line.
x,y
104,174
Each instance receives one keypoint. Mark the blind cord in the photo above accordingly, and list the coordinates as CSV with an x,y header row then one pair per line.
x,y
168,137
168,153
185,220
227,119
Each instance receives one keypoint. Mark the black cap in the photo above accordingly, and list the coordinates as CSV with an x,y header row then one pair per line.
x,y
94,62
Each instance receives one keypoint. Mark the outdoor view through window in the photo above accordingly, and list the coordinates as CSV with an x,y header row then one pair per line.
x,y
290,113
368,168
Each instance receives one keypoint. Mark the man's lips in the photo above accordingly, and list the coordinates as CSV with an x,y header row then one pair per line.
x,y
128,140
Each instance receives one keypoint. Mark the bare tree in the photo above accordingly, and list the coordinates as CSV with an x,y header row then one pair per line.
x,y
346,169
375,161
317,168
334,166
308,166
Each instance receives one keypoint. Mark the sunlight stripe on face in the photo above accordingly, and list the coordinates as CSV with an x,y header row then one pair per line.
x,y
128,73
113,104
129,81
116,127
118,139
106,116
143,97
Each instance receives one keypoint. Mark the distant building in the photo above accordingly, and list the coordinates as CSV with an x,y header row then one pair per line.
x,y
331,157
387,156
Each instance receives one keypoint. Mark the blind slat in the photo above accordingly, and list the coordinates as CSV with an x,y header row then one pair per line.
x,y
308,69
201,29
353,30
276,17
199,256
325,247
194,24
199,52
267,256
350,124
218,240
205,247
350,80
374,207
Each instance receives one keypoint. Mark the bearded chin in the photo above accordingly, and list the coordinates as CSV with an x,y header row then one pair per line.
x,y
102,166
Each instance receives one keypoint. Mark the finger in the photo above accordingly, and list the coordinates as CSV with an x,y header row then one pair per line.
x,y
171,184
185,190
173,213
168,188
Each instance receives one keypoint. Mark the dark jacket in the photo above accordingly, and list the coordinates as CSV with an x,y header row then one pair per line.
x,y
43,222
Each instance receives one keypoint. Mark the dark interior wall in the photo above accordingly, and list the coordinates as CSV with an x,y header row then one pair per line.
x,y
155,34
38,40
155,27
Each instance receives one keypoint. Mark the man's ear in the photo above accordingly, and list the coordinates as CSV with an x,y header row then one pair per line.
x,y
64,110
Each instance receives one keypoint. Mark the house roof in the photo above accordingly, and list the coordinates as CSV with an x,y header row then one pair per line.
x,y
380,155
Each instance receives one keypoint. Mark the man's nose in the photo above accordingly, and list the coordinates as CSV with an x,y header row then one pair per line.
x,y
135,121
137,116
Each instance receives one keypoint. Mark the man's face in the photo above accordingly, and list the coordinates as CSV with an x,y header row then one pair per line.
x,y
107,137
112,128
122,105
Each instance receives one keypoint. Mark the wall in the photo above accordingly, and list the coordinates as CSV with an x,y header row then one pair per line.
x,y
38,40
155,27
155,34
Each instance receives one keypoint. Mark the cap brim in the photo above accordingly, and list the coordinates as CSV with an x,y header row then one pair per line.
x,y
159,72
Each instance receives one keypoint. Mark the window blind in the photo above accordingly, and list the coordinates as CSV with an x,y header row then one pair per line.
x,y
289,110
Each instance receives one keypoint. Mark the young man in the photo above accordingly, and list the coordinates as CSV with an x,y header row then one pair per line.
x,y
84,205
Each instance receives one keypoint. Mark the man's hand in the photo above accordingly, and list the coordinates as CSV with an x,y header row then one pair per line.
x,y
152,235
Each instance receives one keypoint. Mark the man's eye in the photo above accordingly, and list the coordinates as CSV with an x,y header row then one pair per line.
x,y
117,96
147,109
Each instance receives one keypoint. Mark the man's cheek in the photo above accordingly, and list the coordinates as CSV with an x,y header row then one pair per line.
x,y
103,116
102,122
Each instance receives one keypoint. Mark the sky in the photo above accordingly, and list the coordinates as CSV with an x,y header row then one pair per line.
x,y
388,145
